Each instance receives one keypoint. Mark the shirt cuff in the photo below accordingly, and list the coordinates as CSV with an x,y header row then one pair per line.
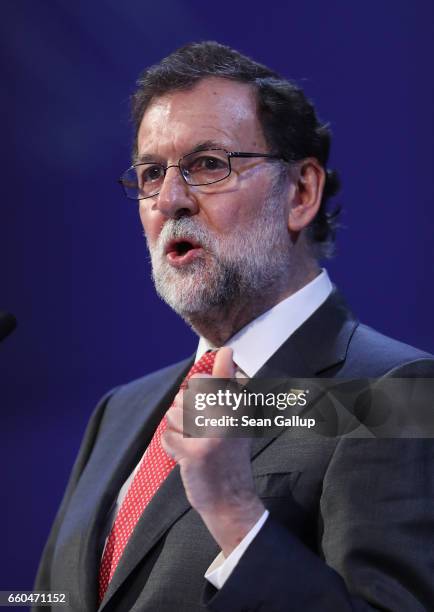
x,y
221,568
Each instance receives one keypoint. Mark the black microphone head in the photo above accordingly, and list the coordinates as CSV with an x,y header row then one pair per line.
x,y
7,324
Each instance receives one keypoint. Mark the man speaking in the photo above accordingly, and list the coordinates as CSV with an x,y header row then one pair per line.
x,y
230,174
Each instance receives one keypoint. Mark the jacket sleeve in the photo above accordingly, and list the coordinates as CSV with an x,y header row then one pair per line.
x,y
375,548
43,577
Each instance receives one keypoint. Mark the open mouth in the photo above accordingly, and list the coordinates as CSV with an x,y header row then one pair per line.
x,y
182,250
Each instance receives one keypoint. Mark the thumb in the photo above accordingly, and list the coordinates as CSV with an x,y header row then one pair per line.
x,y
224,367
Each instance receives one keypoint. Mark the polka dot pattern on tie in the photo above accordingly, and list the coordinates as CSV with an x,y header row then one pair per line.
x,y
156,465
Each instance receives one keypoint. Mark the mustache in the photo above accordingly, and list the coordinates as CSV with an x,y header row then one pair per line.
x,y
185,228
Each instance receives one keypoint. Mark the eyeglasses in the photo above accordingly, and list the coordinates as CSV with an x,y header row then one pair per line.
x,y
200,168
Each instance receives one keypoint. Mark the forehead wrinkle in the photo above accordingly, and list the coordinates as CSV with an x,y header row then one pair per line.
x,y
174,123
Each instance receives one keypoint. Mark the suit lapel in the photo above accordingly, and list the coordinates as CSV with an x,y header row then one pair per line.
x,y
318,345
113,468
168,504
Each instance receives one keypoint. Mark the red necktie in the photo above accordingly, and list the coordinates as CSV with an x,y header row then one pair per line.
x,y
156,465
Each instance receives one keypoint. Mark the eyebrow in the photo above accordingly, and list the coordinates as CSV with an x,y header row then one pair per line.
x,y
201,146
208,144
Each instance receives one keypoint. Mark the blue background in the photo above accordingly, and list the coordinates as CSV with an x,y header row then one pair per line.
x,y
74,267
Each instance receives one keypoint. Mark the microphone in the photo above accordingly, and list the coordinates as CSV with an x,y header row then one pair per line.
x,y
7,324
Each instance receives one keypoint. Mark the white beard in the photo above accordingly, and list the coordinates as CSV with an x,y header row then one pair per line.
x,y
235,268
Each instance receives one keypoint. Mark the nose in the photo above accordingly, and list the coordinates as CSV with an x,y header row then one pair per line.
x,y
175,198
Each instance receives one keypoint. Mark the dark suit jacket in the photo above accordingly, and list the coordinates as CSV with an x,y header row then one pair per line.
x,y
351,523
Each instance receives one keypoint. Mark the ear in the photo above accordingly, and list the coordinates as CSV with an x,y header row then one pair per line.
x,y
309,181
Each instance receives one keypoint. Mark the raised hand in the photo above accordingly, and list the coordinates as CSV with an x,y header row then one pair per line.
x,y
216,472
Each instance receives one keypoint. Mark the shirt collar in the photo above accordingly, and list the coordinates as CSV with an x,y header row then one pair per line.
x,y
254,344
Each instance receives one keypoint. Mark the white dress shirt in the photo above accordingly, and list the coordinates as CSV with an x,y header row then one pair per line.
x,y
268,331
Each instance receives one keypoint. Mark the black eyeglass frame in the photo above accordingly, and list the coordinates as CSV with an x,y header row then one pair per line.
x,y
229,154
